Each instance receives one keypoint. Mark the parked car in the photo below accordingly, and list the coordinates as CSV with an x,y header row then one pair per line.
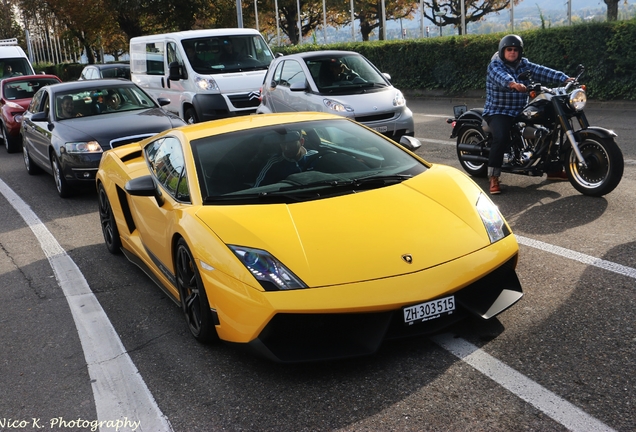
x,y
316,262
15,96
69,125
337,82
108,70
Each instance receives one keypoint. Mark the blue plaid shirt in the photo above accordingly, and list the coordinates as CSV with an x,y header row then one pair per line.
x,y
500,98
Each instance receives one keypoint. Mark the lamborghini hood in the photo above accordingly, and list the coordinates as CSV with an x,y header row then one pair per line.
x,y
417,224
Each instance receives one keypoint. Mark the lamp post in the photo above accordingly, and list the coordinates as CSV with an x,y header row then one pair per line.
x,y
439,14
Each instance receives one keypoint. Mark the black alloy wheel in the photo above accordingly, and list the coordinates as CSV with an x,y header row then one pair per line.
x,y
194,301
107,221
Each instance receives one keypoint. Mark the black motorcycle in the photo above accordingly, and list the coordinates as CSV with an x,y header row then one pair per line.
x,y
544,139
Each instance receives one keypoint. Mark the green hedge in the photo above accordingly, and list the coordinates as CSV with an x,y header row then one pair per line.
x,y
454,65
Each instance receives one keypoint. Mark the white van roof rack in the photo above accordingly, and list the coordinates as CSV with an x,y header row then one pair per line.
x,y
5,42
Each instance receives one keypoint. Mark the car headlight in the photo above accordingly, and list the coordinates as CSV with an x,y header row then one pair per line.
x,y
336,106
206,83
268,271
83,147
398,99
577,99
492,219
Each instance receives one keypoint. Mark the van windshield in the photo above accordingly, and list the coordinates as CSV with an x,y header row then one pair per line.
x,y
15,67
210,55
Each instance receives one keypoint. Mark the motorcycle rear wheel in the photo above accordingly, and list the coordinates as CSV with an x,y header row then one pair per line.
x,y
471,135
604,169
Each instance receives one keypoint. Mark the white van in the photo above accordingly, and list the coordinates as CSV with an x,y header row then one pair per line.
x,y
206,74
13,60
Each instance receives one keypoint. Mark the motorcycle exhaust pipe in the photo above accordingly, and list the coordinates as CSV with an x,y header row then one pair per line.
x,y
474,158
473,148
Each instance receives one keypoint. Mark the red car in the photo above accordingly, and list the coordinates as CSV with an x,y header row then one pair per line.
x,y
15,96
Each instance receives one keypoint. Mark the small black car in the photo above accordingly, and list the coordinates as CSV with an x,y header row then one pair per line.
x,y
68,126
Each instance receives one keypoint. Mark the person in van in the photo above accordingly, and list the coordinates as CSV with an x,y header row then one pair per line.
x,y
228,55
8,71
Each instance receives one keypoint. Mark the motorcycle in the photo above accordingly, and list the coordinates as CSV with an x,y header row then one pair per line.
x,y
544,139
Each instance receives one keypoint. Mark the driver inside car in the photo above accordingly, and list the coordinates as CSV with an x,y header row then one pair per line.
x,y
292,158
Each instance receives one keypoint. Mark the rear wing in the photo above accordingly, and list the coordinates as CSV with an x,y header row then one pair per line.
x,y
8,42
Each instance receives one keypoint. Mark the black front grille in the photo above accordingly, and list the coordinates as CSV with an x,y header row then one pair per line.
x,y
245,101
375,117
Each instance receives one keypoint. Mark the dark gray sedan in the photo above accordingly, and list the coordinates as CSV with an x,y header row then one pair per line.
x,y
68,126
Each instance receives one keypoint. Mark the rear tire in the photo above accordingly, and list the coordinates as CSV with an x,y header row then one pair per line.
x,y
604,170
472,135
31,167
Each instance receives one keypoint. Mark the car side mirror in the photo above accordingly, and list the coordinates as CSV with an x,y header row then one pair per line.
x,y
175,72
163,101
146,187
298,86
410,143
40,117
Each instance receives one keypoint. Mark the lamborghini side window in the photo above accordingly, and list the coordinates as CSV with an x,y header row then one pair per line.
x,y
167,164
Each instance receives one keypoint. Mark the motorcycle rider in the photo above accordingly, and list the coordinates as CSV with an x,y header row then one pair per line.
x,y
506,97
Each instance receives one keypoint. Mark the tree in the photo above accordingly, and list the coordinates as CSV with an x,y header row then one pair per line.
x,y
369,14
612,9
9,28
448,12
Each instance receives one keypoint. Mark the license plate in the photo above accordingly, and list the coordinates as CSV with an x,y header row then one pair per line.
x,y
429,310
380,129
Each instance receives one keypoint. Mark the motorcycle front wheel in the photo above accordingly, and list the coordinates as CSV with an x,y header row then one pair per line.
x,y
604,169
472,135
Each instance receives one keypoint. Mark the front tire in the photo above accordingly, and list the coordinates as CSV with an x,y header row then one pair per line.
x,y
604,170
107,220
191,116
11,144
63,189
194,301
472,135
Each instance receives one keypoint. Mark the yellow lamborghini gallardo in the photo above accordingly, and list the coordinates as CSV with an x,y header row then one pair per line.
x,y
305,236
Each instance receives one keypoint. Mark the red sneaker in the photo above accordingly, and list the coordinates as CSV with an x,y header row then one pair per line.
x,y
494,186
557,176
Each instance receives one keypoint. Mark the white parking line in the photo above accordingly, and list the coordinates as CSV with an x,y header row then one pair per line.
x,y
547,402
577,256
122,398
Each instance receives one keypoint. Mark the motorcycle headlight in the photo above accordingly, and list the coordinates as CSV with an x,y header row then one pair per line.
x,y
399,100
577,99
268,271
83,147
206,83
492,219
336,106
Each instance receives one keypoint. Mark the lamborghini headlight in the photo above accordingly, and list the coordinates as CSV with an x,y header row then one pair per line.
x,y
492,219
83,147
577,99
268,271
336,106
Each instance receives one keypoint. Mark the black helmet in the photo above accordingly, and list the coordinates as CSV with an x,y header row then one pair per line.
x,y
511,40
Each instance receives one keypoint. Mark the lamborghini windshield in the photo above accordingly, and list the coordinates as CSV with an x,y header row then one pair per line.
x,y
299,161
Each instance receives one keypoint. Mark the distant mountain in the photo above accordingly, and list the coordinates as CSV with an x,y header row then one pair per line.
x,y
562,4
